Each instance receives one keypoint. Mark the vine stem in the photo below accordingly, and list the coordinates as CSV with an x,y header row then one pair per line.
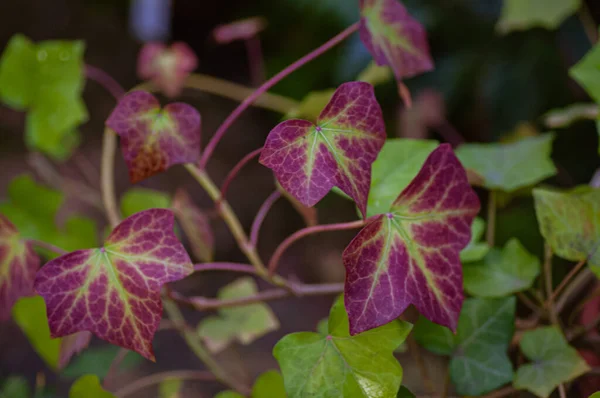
x,y
548,280
491,218
232,267
107,178
564,282
310,231
114,365
236,169
47,246
255,58
266,86
105,80
158,378
261,215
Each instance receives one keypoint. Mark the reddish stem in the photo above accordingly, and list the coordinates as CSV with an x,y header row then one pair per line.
x,y
47,246
261,215
255,60
105,80
309,231
233,267
266,86
236,169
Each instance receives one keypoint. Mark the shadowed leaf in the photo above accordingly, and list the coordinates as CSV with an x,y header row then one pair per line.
x,y
411,254
140,199
341,365
308,160
152,140
404,392
527,14
114,291
88,386
97,360
196,226
475,250
15,387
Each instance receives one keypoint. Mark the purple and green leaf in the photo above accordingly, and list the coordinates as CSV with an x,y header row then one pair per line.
x,y
152,140
411,254
309,159
114,291
196,226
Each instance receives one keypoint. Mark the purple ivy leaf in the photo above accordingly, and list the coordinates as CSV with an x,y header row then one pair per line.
x,y
196,226
18,265
166,67
114,291
411,254
152,140
394,38
309,159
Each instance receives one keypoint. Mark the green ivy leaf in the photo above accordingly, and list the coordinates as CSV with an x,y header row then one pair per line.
x,y
570,223
269,385
340,365
243,323
140,199
527,14
554,362
170,388
475,250
30,314
17,66
502,272
479,361
97,360
509,166
15,387
88,386
405,393
38,222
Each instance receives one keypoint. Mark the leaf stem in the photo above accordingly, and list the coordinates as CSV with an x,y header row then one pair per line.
x,y
255,60
236,169
564,282
548,281
491,218
157,378
114,365
261,215
580,282
233,267
105,80
47,246
107,181
266,86
527,301
283,246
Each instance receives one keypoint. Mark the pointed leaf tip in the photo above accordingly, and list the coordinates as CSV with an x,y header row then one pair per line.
x,y
114,291
411,254
152,140
309,159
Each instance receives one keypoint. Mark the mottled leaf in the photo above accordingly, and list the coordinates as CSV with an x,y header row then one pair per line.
x,y
502,272
554,361
311,106
166,67
375,74
97,361
244,29
140,199
114,291
411,254
18,265
479,361
30,314
17,66
308,160
475,250
269,385
170,388
309,214
152,140
510,166
404,392
570,223
527,14
88,386
196,226
15,387
72,345
341,365
394,38
242,323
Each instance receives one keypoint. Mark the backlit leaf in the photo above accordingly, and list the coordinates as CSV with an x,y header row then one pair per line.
x,y
88,386
554,361
570,223
140,199
527,14
152,140
17,66
269,385
114,291
510,166
502,272
308,160
15,387
196,226
341,365
411,254
479,360
394,38
18,265
166,67
243,323
475,250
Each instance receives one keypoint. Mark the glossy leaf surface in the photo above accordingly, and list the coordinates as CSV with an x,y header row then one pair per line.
x,y
196,226
527,14
411,254
88,386
152,140
340,365
309,159
114,291
479,360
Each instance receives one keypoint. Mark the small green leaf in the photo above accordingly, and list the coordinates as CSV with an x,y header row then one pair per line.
x,y
405,393
311,106
479,361
30,314
140,199
510,166
15,387
375,74
170,388
502,272
88,386
595,395
554,362
340,365
527,14
97,360
269,385
323,327
244,323
475,250
17,67
570,223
